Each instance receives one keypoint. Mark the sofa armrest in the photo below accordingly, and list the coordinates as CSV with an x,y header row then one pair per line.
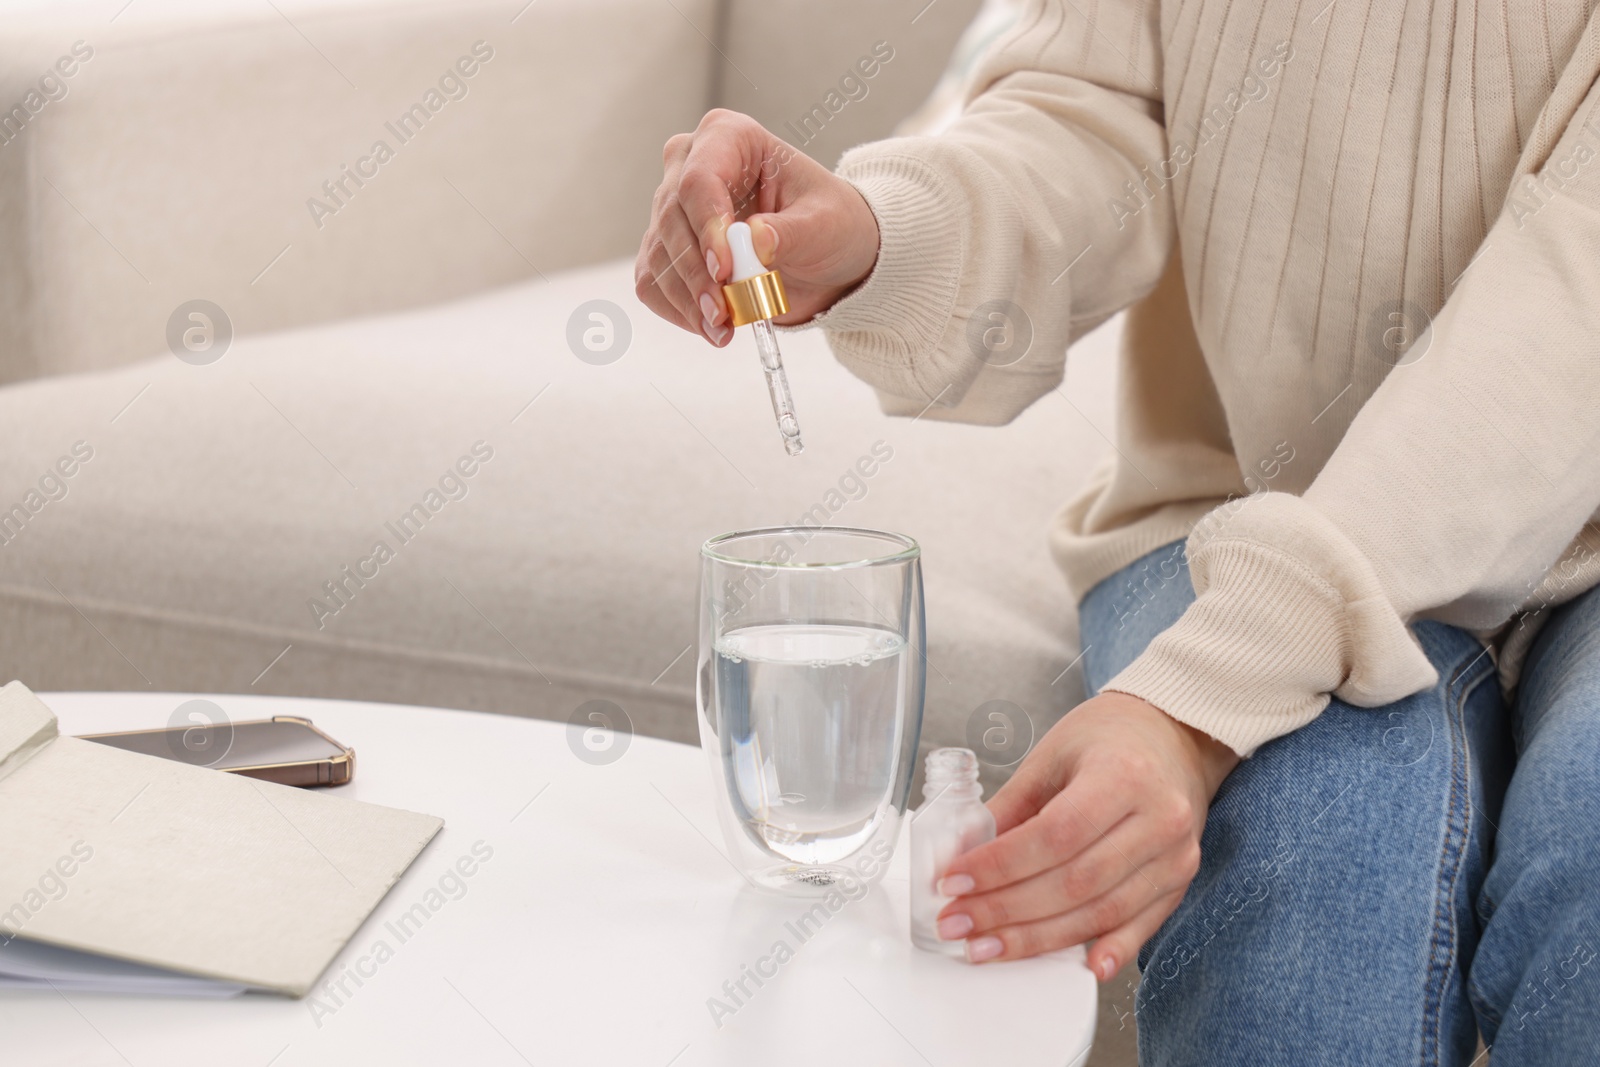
x,y
187,153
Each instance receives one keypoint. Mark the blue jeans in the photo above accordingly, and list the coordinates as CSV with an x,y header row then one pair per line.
x,y
1385,883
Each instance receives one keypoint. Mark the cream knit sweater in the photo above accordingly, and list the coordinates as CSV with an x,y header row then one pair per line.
x,y
1361,373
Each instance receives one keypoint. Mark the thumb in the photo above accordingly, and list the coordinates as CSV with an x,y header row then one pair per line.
x,y
811,241
799,238
767,234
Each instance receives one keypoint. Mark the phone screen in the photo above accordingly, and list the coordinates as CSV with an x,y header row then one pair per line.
x,y
228,745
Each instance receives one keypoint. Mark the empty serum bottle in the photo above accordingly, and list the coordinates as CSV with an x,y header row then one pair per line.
x,y
951,820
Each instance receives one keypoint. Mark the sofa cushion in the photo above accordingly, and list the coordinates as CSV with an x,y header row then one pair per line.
x,y
541,515
949,97
826,75
198,149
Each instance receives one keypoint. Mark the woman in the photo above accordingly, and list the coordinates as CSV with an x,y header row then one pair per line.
x,y
1339,779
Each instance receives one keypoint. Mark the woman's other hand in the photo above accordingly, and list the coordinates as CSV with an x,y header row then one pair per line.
x,y
1098,837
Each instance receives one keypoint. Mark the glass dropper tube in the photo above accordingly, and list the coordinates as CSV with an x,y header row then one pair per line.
x,y
777,386
755,297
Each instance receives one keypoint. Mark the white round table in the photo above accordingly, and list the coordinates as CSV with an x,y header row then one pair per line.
x,y
605,928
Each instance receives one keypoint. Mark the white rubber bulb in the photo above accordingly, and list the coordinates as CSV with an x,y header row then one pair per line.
x,y
746,264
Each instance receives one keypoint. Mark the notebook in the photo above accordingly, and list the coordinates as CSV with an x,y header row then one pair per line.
x,y
121,872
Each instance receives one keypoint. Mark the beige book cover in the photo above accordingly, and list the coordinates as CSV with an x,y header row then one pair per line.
x,y
192,870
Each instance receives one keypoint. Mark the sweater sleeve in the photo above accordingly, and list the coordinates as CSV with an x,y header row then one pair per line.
x,y
1000,241
1455,490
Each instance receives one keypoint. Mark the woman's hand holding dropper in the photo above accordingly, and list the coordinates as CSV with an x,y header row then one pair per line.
x,y
807,222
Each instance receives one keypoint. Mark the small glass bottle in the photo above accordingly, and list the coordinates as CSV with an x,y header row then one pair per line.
x,y
951,820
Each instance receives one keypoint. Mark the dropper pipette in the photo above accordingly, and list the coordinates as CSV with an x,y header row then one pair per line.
x,y
755,296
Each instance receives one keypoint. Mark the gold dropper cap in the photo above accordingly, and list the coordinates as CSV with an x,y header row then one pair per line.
x,y
760,297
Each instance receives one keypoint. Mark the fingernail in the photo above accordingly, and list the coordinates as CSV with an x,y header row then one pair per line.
x,y
984,948
954,927
712,266
708,308
1105,969
956,885
715,332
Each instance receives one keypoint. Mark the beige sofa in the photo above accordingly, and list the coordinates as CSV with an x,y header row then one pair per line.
x,y
400,371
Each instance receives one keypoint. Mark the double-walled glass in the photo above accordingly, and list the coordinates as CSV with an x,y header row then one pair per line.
x,y
810,688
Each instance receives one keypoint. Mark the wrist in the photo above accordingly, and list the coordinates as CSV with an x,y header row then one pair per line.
x,y
1214,759
866,240
1209,760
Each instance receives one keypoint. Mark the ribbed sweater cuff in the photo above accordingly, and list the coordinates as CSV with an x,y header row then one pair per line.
x,y
903,308
1287,612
